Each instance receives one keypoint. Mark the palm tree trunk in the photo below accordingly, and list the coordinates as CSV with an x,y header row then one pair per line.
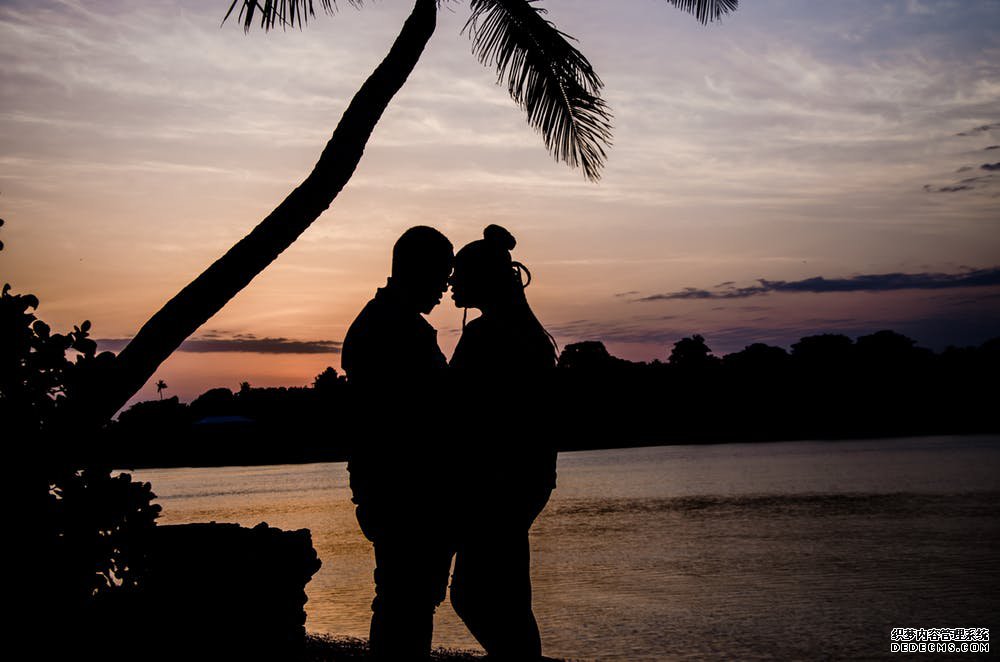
x,y
209,292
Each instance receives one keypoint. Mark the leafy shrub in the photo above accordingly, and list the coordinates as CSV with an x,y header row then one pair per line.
x,y
86,527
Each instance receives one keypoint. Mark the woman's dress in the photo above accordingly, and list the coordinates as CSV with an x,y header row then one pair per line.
x,y
505,470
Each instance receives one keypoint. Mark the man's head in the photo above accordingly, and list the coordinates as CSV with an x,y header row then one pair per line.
x,y
421,263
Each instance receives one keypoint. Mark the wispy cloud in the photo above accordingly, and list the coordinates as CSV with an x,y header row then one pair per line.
x,y
970,183
214,342
951,188
629,332
861,283
985,128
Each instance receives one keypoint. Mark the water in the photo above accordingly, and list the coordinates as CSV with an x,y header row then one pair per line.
x,y
802,550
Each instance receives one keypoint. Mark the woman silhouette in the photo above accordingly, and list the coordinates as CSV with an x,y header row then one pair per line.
x,y
506,472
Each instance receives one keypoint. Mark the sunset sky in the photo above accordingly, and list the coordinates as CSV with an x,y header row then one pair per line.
x,y
797,168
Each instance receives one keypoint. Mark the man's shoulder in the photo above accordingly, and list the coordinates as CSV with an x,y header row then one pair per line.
x,y
359,327
384,315
379,312
387,337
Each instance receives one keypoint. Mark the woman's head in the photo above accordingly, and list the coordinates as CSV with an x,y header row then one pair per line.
x,y
485,275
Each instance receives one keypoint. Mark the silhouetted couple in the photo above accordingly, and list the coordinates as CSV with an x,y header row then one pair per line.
x,y
454,459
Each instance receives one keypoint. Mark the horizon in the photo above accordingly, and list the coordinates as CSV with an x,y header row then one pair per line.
x,y
792,170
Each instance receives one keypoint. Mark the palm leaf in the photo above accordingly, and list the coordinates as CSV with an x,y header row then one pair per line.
x,y
282,12
706,10
547,76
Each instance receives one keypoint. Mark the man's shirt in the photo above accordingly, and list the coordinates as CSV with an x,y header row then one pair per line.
x,y
390,345
396,372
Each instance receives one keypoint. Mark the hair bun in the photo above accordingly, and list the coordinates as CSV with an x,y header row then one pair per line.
x,y
495,234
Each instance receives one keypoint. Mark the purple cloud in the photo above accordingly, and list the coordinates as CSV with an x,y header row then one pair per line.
x,y
861,283
243,342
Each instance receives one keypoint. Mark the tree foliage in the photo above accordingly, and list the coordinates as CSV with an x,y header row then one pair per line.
x,y
544,73
36,377
90,526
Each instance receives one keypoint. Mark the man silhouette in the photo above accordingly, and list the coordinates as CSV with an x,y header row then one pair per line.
x,y
397,471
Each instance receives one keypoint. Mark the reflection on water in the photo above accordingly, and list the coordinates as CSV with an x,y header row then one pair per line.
x,y
766,551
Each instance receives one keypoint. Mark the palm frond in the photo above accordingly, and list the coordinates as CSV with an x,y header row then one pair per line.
x,y
706,10
286,13
547,76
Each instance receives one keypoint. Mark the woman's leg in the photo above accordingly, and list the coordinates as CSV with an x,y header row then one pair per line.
x,y
491,592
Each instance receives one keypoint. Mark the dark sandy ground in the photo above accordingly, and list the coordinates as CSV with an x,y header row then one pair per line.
x,y
324,648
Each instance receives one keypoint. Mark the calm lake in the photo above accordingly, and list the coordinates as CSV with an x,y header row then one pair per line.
x,y
796,550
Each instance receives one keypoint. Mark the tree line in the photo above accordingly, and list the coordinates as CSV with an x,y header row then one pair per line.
x,y
827,386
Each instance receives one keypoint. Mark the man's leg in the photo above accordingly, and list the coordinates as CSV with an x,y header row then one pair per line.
x,y
402,622
411,577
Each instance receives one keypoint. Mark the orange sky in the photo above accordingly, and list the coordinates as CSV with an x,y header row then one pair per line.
x,y
791,141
